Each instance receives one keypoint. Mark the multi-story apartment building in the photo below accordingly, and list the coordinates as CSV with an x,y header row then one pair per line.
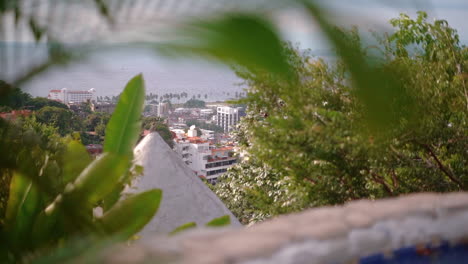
x,y
162,109
203,158
103,107
227,117
65,96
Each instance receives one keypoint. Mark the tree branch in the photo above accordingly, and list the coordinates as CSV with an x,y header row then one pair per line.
x,y
310,180
441,166
394,178
379,179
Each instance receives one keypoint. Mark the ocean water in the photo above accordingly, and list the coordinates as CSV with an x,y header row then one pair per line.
x,y
108,70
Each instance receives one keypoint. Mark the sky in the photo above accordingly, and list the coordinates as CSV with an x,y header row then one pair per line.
x,y
369,15
109,68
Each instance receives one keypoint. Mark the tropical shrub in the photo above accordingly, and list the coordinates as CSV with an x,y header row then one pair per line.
x,y
37,219
365,126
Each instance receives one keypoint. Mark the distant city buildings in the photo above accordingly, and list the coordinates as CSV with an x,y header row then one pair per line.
x,y
207,134
163,109
70,96
103,107
205,159
228,117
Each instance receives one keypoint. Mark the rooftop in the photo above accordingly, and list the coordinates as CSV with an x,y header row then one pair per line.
x,y
196,140
222,149
14,114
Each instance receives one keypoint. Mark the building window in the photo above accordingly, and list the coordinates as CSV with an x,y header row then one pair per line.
x,y
216,172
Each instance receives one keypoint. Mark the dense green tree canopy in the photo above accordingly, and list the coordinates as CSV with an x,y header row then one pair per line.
x,y
194,103
65,120
33,148
13,97
317,129
95,119
40,102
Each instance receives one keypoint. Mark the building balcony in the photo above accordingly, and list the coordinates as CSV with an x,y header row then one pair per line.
x,y
220,159
222,162
215,173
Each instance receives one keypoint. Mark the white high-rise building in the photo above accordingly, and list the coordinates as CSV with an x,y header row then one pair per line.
x,y
69,96
162,109
227,117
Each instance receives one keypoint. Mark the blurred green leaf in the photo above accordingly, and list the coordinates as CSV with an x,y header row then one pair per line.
x,y
243,39
97,180
36,30
220,221
183,227
75,160
124,126
23,205
43,229
112,197
129,216
381,91
76,250
103,9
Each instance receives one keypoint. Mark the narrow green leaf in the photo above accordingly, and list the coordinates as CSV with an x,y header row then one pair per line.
x,y
183,227
18,189
81,249
103,9
382,92
220,221
129,216
97,180
124,126
75,160
23,205
247,40
112,197
44,228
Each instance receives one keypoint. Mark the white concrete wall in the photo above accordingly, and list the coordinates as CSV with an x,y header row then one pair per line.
x,y
340,234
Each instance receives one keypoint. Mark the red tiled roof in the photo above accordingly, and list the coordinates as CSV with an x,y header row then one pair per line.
x,y
94,149
78,92
14,114
55,91
145,132
196,140
222,149
220,158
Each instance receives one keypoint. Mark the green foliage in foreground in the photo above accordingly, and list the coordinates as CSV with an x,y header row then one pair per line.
x,y
341,134
183,227
219,222
29,142
36,219
222,221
